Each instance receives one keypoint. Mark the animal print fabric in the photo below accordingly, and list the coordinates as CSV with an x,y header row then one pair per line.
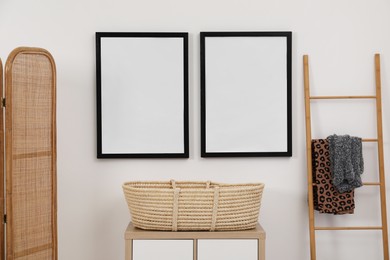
x,y
326,198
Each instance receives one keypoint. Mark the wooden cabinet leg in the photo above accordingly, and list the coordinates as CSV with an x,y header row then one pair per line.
x,y
195,249
128,249
261,249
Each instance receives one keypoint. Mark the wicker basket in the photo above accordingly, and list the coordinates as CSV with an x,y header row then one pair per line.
x,y
193,205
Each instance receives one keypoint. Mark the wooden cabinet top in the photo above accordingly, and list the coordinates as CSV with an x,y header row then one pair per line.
x,y
136,233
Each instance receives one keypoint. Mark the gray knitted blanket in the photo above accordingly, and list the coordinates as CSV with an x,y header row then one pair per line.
x,y
346,162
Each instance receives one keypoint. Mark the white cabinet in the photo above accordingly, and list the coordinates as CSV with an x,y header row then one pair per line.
x,y
166,245
163,250
227,249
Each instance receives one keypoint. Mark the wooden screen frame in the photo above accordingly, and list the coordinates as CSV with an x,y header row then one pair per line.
x,y
2,234
8,148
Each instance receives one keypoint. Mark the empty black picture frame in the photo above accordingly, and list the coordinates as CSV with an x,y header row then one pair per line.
x,y
246,94
142,94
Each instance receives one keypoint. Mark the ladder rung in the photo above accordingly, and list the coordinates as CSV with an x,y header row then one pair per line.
x,y
371,183
341,97
369,140
364,184
347,228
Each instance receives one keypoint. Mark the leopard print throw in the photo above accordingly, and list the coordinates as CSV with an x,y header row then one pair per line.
x,y
326,198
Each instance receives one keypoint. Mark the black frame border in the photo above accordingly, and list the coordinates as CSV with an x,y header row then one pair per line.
x,y
288,36
98,37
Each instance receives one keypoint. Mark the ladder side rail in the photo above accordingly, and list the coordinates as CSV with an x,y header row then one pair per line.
x,y
309,157
381,157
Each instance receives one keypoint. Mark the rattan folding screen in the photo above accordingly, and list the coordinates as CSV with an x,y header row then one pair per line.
x,y
28,162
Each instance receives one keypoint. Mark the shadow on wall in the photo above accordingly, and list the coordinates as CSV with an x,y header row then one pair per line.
x,y
109,227
280,216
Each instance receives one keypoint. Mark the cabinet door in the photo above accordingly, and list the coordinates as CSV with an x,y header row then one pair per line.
x,y
227,249
163,250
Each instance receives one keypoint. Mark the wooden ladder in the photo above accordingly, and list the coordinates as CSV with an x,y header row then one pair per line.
x,y
379,140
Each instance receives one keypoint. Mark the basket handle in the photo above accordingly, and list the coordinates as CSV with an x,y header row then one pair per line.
x,y
215,208
176,192
173,184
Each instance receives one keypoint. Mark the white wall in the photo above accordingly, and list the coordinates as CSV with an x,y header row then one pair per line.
x,y
341,38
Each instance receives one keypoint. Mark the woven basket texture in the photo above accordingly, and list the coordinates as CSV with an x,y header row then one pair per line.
x,y
193,205
31,158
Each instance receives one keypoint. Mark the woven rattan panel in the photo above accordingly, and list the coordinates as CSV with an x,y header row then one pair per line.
x,y
30,156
